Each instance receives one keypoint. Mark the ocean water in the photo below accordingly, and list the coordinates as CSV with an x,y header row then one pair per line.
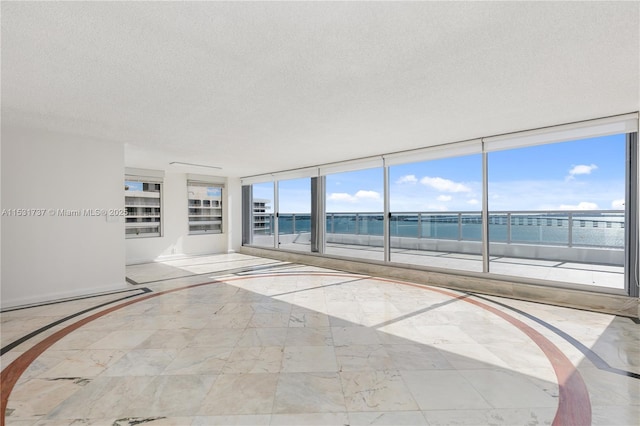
x,y
578,229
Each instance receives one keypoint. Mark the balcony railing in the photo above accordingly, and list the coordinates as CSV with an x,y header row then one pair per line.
x,y
575,228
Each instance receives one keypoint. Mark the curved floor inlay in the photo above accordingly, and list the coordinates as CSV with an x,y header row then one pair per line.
x,y
280,358
49,326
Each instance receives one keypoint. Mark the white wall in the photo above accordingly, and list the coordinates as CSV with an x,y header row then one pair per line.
x,y
53,256
175,240
235,214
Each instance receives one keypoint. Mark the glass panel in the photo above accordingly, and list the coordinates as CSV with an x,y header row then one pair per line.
x,y
205,208
556,211
263,214
435,213
355,214
143,203
598,229
294,216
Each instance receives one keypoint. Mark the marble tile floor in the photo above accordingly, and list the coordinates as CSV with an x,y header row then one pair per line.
x,y
300,345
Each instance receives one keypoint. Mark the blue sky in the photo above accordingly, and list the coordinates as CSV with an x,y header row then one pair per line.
x,y
582,175
134,186
214,192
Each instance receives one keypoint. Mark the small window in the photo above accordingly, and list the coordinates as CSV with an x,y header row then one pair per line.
x,y
205,208
143,201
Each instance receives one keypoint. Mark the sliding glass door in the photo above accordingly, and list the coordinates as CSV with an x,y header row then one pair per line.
x,y
262,214
294,214
355,214
436,215
557,211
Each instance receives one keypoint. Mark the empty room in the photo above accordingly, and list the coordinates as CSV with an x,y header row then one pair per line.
x,y
320,213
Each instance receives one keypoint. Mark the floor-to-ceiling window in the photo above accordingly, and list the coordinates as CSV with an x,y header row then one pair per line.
x,y
436,217
355,214
555,206
262,208
294,214
557,211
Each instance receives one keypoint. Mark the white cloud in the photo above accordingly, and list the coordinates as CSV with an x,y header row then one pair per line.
x,y
473,202
342,196
444,185
408,179
370,195
581,169
444,198
360,195
617,204
582,205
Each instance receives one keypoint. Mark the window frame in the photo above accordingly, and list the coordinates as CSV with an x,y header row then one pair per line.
x,y
195,183
144,180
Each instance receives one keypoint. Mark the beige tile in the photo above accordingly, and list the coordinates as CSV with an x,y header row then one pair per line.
x,y
499,417
122,339
37,397
388,418
171,396
217,337
197,360
103,397
255,359
233,420
142,362
153,421
310,419
277,319
85,363
308,319
417,357
168,339
240,394
309,336
363,358
79,339
508,389
443,389
300,359
239,320
274,336
354,336
309,393
376,391
615,415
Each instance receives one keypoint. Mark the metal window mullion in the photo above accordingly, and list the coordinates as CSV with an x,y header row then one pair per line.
x,y
322,214
485,211
632,216
318,216
570,236
387,217
276,213
247,214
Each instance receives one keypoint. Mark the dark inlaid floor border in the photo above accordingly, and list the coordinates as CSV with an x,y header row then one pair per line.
x,y
586,351
10,346
223,272
72,299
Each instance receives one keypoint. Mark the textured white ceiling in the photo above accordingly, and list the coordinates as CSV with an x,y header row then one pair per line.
x,y
268,86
